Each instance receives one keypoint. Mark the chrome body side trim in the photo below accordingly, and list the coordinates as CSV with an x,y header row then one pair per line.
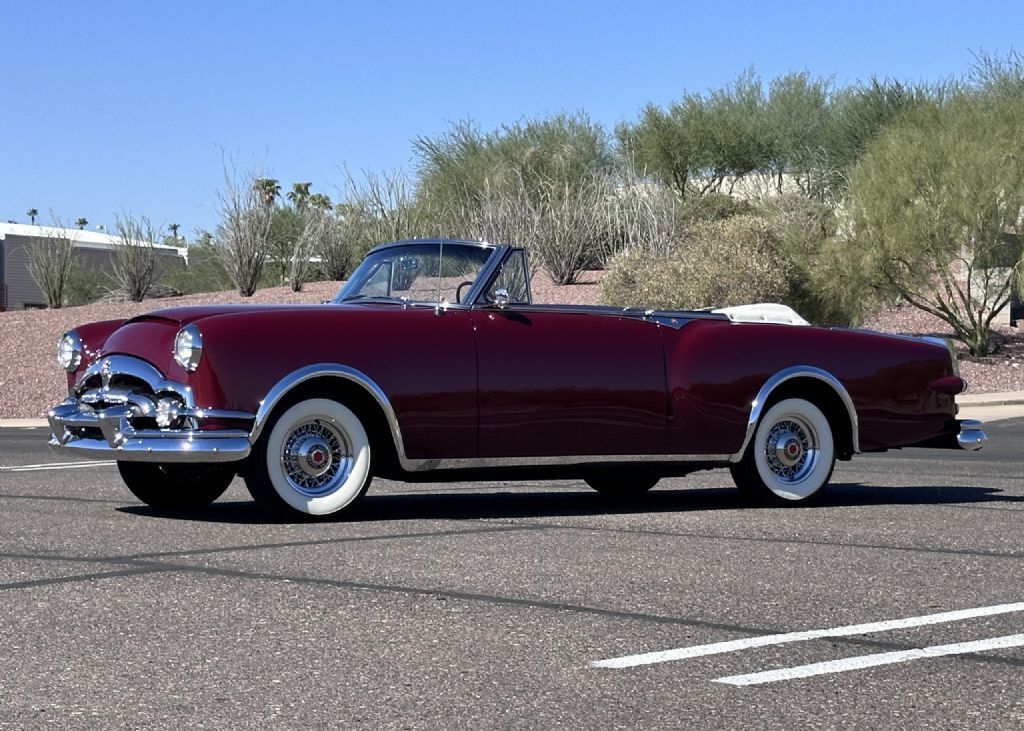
x,y
971,437
481,463
788,374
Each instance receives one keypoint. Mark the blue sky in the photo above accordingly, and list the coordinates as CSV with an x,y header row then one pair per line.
x,y
113,106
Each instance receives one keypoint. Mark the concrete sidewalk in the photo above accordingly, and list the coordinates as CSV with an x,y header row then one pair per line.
x,y
1005,398
984,406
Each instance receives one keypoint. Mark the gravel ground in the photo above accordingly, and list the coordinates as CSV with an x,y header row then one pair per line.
x,y
30,381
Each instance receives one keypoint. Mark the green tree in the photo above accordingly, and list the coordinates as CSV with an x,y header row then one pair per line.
x,y
858,114
703,143
932,201
458,167
796,117
173,227
32,213
82,223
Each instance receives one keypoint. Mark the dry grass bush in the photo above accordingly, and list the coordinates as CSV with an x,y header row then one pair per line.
x,y
720,263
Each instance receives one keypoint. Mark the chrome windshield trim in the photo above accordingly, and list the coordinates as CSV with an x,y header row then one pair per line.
x,y
490,271
788,374
497,253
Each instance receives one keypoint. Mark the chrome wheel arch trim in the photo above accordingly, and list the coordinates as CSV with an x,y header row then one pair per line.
x,y
329,370
788,374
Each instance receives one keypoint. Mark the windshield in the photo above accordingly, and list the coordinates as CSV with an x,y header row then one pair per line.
x,y
417,272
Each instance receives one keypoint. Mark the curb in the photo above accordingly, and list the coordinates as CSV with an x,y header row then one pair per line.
x,y
22,423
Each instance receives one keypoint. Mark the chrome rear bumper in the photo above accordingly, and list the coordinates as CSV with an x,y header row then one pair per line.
x,y
971,437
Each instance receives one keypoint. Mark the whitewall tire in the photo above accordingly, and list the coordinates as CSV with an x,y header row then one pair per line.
x,y
314,459
791,456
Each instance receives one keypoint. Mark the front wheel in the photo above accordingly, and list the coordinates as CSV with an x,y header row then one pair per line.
x,y
313,460
791,456
176,486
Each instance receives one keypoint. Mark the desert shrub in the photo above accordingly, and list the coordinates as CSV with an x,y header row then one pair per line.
x,y
50,260
637,212
204,272
84,285
819,289
713,207
719,264
242,234
133,260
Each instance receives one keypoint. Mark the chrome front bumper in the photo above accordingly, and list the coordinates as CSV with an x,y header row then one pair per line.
x,y
100,419
971,437
75,431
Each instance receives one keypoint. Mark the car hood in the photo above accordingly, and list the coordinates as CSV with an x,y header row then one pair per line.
x,y
186,315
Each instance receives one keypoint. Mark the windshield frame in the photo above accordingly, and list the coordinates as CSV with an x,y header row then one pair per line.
x,y
497,254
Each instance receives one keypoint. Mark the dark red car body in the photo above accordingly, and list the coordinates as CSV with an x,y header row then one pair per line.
x,y
480,387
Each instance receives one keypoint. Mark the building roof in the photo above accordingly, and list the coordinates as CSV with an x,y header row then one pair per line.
x,y
83,238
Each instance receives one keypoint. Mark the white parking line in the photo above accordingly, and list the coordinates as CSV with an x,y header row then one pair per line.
x,y
55,466
870,661
717,648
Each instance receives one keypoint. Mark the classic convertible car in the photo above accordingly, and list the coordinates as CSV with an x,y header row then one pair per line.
x,y
432,362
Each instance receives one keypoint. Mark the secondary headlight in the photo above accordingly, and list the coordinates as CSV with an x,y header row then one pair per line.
x,y
69,351
188,347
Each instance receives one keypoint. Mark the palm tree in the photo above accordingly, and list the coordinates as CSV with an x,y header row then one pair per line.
x,y
268,189
81,223
299,195
32,213
321,201
174,229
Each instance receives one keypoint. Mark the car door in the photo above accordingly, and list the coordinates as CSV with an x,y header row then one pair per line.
x,y
555,381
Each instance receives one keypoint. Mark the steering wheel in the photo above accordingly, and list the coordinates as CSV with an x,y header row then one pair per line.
x,y
458,291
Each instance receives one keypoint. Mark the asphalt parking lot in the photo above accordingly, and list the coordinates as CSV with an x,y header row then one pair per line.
x,y
521,604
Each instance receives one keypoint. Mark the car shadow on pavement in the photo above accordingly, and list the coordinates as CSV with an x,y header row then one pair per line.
x,y
460,505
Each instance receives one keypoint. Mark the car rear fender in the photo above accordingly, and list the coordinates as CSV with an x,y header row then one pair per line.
x,y
816,385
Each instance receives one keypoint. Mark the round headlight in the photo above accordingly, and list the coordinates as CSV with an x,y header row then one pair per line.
x,y
69,351
188,347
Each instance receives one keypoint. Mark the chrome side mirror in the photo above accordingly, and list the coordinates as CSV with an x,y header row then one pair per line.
x,y
501,298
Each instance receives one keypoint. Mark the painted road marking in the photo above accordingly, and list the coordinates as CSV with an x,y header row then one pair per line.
x,y
718,648
871,661
55,466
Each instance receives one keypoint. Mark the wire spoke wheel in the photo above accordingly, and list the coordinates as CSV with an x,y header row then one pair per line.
x,y
316,458
313,460
791,456
791,449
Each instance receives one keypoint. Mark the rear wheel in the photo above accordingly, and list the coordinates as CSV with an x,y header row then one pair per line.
x,y
176,486
312,460
623,484
791,456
